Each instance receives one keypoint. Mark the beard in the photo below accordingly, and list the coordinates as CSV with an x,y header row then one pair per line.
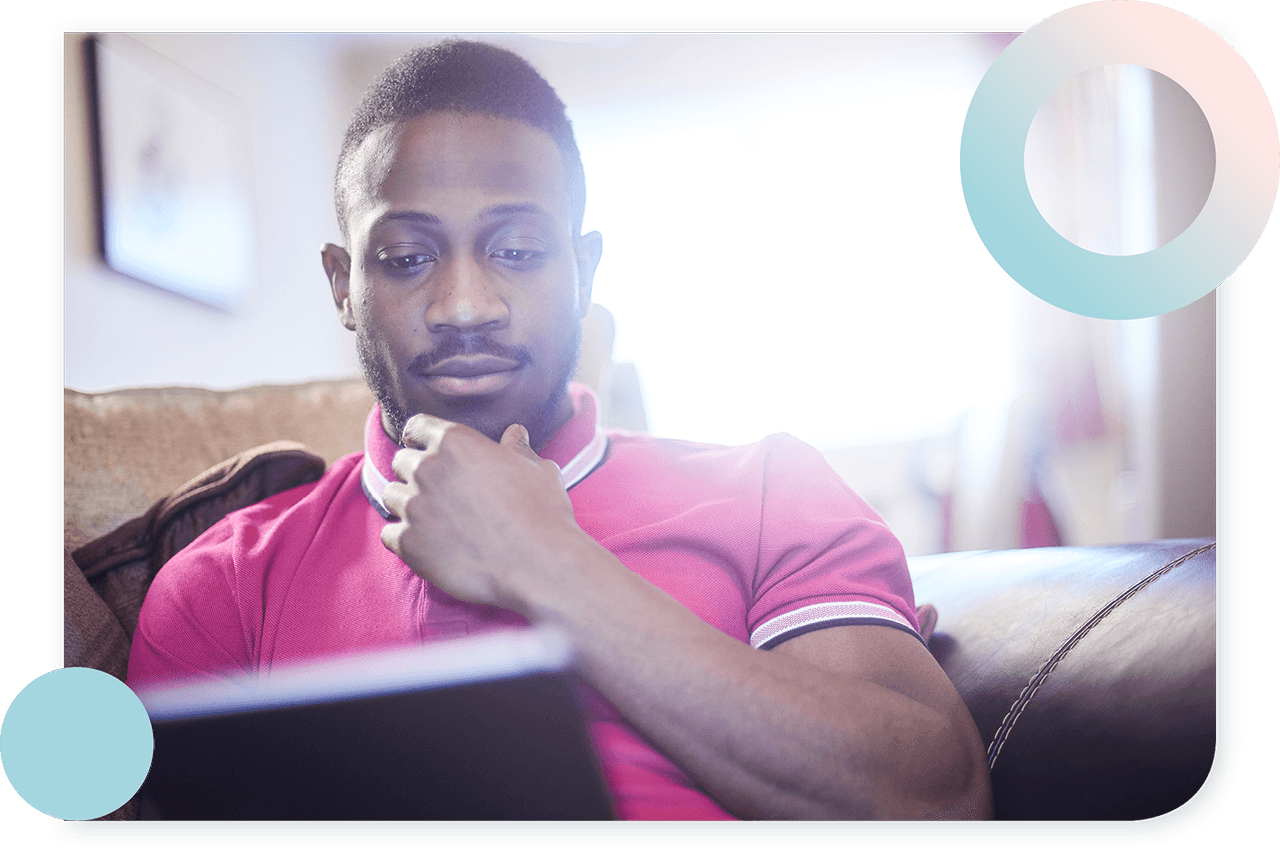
x,y
539,419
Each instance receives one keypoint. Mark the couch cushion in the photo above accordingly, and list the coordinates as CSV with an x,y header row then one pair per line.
x,y
1090,672
125,450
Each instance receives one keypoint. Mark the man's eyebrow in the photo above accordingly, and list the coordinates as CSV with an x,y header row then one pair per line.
x,y
498,211
415,217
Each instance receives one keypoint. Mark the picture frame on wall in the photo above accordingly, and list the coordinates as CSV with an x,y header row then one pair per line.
x,y
172,179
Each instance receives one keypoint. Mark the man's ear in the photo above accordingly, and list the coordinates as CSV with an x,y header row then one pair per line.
x,y
337,268
588,248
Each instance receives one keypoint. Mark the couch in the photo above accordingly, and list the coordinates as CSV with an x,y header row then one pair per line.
x,y
1090,671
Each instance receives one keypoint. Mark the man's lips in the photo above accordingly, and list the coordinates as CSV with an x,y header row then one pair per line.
x,y
471,366
465,376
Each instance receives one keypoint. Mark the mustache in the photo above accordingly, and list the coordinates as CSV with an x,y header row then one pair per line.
x,y
467,345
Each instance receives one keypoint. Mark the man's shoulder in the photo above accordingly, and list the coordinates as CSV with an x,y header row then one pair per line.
x,y
697,458
336,479
665,444
775,468
287,511
235,551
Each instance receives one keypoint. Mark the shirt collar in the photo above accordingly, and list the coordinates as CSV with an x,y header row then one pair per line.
x,y
577,447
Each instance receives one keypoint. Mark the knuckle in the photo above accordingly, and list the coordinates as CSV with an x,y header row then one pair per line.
x,y
408,465
393,496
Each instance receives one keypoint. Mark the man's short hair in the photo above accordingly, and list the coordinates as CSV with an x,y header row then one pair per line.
x,y
465,77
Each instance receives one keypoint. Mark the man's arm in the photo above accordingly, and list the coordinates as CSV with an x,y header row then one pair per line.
x,y
841,722
893,660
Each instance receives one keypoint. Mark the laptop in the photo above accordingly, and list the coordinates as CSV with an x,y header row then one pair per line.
x,y
486,728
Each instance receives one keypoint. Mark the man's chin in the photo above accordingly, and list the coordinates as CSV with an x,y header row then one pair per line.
x,y
542,421
487,415
479,414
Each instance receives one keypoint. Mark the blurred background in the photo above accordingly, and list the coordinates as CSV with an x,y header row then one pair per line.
x,y
787,248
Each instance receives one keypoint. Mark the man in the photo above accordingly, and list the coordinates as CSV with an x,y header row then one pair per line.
x,y
746,621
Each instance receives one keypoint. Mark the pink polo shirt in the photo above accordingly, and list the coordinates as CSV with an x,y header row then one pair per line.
x,y
762,541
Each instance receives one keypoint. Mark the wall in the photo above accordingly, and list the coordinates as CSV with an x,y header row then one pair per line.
x,y
120,332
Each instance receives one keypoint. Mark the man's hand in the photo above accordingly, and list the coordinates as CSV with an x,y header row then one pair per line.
x,y
486,522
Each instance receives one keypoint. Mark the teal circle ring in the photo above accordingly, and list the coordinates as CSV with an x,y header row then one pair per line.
x,y
994,180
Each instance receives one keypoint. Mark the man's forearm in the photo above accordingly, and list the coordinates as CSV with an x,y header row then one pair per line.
x,y
768,734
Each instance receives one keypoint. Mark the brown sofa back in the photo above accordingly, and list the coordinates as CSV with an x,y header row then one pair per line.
x,y
125,450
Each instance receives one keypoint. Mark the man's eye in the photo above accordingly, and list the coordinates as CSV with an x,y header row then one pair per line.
x,y
404,263
523,258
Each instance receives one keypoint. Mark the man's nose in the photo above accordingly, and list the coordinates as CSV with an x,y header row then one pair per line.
x,y
465,299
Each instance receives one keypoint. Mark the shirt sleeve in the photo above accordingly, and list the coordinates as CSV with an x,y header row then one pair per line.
x,y
825,557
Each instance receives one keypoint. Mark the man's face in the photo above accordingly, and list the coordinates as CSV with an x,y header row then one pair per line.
x,y
463,280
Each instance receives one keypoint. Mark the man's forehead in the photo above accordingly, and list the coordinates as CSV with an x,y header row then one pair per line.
x,y
422,160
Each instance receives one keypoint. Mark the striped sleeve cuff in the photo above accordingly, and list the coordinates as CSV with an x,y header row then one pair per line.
x,y
825,615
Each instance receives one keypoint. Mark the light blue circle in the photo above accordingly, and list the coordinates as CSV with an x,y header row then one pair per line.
x,y
76,743
993,178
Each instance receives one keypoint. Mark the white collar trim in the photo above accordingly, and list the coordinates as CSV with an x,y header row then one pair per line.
x,y
571,473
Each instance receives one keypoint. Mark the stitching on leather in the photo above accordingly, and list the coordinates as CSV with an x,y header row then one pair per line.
x,y
1020,705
